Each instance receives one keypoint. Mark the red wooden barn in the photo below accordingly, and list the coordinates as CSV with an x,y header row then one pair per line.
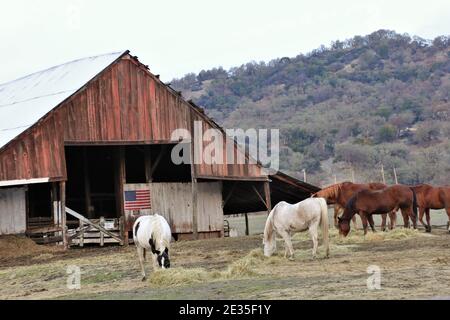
x,y
88,143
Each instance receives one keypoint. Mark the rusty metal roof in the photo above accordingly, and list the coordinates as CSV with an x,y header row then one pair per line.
x,y
26,100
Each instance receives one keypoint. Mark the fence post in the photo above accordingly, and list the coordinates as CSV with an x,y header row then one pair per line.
x,y
81,233
395,176
102,235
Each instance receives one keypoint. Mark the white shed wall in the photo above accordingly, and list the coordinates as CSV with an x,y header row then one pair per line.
x,y
12,211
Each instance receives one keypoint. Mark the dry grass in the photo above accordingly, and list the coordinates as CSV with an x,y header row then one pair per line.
x,y
236,268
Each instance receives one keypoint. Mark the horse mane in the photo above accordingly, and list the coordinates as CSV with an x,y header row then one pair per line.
x,y
157,234
330,191
268,228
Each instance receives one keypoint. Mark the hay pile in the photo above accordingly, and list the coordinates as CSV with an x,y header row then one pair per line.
x,y
241,268
17,246
357,236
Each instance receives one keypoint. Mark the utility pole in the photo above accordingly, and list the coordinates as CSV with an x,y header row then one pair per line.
x,y
335,179
395,176
353,175
304,175
382,174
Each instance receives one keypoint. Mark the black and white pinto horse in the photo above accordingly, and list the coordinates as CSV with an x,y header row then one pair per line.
x,y
152,233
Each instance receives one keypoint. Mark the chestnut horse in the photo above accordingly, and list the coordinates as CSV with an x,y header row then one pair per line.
x,y
369,202
429,197
339,194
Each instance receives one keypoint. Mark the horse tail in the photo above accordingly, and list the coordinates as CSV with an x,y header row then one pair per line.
x,y
325,224
414,204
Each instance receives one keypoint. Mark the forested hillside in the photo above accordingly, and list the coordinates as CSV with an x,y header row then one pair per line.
x,y
354,105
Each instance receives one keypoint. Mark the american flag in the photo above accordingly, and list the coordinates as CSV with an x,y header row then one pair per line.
x,y
137,199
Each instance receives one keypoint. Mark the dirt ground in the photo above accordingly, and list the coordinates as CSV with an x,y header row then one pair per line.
x,y
413,264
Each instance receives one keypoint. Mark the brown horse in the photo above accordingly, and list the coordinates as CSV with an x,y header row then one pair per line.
x,y
339,194
429,197
369,202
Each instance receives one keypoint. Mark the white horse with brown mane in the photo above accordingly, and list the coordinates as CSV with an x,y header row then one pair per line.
x,y
286,219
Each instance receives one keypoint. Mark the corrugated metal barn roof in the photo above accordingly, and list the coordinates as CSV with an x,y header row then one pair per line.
x,y
26,100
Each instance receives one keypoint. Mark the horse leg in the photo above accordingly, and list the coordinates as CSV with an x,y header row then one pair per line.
x,y
140,252
155,261
371,222
409,213
447,209
427,212
288,243
336,215
392,219
364,221
355,222
314,236
405,219
421,213
383,221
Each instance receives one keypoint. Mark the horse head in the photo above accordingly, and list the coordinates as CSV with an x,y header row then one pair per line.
x,y
163,259
162,255
343,226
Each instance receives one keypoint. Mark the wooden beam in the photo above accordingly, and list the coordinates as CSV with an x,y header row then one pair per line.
x,y
247,231
62,195
55,207
229,194
193,183
233,178
268,198
87,184
89,222
260,196
120,181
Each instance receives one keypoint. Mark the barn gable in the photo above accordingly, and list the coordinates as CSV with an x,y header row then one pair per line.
x,y
124,103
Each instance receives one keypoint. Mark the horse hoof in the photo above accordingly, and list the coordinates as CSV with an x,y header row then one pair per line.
x,y
428,229
144,278
291,258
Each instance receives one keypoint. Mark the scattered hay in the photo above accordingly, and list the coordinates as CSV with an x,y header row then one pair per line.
x,y
241,268
357,236
391,235
17,246
178,276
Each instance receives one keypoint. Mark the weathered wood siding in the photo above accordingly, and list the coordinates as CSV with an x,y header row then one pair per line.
x,y
174,202
12,211
125,104
223,169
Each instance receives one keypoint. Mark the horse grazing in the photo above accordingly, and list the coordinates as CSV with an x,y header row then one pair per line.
x,y
429,197
340,193
152,233
369,202
286,218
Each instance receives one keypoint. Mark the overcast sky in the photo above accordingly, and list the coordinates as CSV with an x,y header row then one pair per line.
x,y
176,37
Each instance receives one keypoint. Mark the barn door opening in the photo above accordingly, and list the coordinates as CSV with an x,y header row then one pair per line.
x,y
90,186
39,205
